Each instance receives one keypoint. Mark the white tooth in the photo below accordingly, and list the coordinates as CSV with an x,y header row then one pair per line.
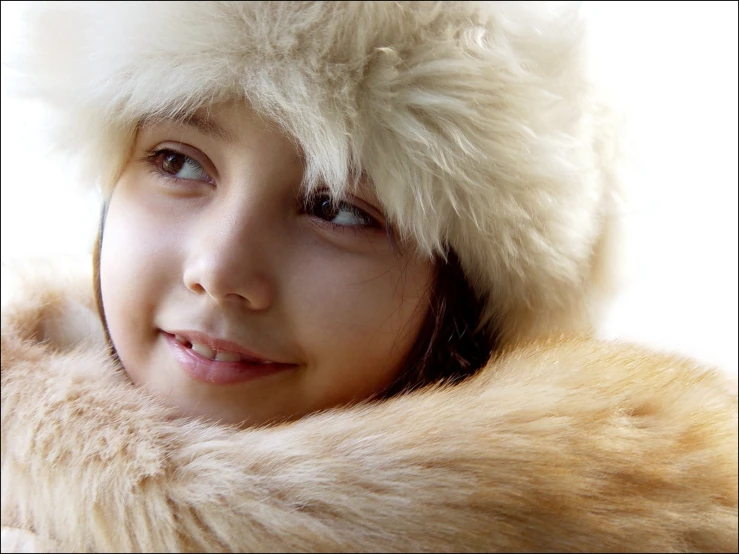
x,y
203,350
181,339
223,356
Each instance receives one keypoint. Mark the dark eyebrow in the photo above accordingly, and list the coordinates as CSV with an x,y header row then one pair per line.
x,y
207,126
202,124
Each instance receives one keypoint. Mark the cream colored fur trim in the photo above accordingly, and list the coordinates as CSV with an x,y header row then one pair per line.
x,y
562,445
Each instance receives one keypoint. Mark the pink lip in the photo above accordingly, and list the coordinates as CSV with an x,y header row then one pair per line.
x,y
218,344
219,373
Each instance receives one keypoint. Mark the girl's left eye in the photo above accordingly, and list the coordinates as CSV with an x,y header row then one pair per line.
x,y
342,214
179,166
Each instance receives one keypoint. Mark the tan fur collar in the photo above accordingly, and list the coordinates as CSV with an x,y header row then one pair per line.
x,y
565,445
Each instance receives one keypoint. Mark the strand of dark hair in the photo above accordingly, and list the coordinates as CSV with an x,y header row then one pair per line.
x,y
449,347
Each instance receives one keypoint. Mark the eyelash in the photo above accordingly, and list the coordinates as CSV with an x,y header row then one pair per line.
x,y
320,199
153,158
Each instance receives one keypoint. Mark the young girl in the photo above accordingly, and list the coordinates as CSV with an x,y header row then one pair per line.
x,y
345,253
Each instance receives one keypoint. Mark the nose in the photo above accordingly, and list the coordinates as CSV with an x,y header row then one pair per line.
x,y
228,255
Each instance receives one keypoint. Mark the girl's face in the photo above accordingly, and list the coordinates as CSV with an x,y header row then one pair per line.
x,y
231,295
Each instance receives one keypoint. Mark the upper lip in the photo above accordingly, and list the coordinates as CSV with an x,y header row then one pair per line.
x,y
224,345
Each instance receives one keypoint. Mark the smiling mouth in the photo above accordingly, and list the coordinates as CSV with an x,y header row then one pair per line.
x,y
219,355
204,363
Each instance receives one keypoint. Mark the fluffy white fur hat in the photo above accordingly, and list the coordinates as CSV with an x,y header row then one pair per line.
x,y
477,123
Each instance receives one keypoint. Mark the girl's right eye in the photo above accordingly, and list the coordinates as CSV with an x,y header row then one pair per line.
x,y
178,166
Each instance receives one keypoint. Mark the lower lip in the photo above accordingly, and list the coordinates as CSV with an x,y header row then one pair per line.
x,y
219,373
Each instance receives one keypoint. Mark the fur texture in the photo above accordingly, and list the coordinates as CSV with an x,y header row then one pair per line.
x,y
477,122
558,445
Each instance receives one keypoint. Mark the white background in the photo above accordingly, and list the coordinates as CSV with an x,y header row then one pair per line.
x,y
673,65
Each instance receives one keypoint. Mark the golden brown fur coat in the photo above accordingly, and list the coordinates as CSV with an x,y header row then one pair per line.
x,y
559,445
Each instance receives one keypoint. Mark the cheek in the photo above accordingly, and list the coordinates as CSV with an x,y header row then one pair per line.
x,y
132,275
138,242
362,321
